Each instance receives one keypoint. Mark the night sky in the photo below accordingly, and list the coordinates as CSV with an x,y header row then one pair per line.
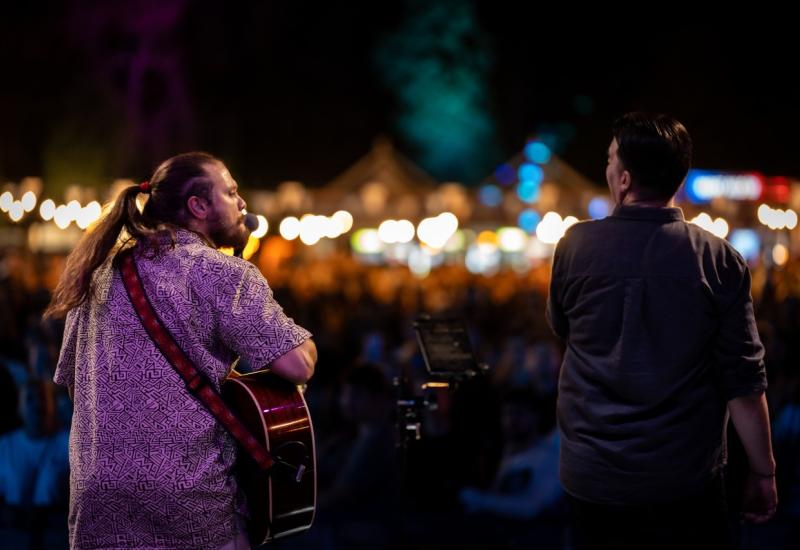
x,y
91,91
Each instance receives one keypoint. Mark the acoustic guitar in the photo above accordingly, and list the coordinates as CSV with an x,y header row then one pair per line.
x,y
282,501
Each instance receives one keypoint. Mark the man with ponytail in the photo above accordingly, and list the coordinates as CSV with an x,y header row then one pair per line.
x,y
150,466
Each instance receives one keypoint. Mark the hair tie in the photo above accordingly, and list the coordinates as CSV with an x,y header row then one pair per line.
x,y
144,187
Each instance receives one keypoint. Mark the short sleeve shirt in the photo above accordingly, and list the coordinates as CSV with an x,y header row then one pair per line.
x,y
150,466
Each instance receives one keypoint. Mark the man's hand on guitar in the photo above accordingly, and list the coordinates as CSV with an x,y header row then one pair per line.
x,y
297,365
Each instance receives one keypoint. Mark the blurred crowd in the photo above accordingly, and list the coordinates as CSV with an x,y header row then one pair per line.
x,y
479,470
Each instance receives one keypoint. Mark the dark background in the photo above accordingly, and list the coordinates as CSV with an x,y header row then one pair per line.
x,y
91,91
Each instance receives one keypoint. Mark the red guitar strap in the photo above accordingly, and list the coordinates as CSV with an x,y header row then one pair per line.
x,y
196,382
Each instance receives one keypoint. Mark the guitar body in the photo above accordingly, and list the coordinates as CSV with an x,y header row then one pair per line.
x,y
275,412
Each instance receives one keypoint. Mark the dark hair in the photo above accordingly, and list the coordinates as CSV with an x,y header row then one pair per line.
x,y
657,151
173,182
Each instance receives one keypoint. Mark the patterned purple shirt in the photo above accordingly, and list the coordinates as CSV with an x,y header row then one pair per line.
x,y
150,467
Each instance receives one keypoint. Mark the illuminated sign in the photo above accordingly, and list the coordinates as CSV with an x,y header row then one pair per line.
x,y
702,186
747,242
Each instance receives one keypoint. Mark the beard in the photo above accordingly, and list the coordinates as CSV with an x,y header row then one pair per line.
x,y
232,234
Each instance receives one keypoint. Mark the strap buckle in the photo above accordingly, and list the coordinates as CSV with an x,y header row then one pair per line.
x,y
196,382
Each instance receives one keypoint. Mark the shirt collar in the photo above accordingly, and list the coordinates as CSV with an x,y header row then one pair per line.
x,y
648,213
182,237
185,236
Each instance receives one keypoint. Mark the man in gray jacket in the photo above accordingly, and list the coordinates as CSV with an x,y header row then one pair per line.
x,y
661,347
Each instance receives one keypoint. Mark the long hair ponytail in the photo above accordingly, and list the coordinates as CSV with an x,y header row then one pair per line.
x,y
172,183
